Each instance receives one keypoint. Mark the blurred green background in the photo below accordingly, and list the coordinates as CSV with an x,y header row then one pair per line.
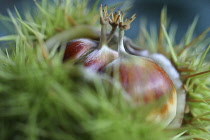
x,y
180,12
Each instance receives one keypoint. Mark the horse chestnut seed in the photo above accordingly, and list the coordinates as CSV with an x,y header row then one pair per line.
x,y
102,54
78,47
143,80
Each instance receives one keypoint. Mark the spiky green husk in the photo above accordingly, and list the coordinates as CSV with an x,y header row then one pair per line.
x,y
189,57
42,98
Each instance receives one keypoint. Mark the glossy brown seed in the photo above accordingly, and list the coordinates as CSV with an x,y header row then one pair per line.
x,y
144,81
142,78
99,58
102,55
78,47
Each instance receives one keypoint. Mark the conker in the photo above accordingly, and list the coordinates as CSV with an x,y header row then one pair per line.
x,y
78,47
143,80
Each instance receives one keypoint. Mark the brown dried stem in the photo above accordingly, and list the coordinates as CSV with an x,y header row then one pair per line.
x,y
196,74
114,22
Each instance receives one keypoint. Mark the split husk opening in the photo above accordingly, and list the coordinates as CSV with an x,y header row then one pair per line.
x,y
42,98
